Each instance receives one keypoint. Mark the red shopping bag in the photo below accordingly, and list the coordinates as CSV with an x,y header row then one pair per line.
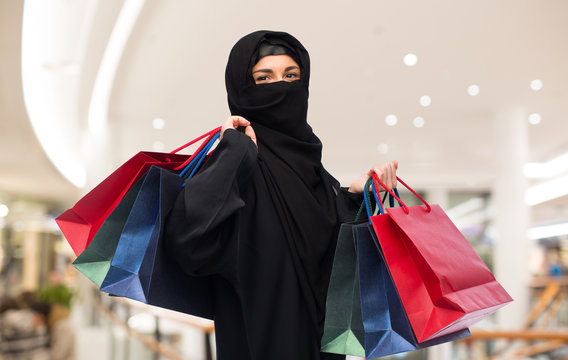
x,y
80,223
442,282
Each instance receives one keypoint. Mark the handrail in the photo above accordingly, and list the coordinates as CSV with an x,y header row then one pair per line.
x,y
152,344
207,326
519,335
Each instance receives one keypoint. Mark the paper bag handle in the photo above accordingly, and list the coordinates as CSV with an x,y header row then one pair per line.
x,y
406,210
209,136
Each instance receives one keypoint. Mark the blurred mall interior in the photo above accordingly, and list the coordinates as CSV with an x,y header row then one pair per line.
x,y
468,96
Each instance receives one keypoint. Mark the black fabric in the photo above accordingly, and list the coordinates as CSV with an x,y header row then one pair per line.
x,y
266,49
229,223
290,160
224,227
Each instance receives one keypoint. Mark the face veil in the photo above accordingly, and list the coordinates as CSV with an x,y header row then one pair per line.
x,y
290,160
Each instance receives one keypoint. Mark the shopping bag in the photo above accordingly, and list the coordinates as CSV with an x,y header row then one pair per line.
x,y
140,268
343,327
387,329
443,284
94,261
80,223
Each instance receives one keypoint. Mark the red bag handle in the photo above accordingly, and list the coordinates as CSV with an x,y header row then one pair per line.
x,y
405,208
209,136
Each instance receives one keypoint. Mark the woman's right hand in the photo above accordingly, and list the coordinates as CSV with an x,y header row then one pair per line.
x,y
233,122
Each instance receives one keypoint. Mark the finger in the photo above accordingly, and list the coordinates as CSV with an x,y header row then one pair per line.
x,y
233,122
239,121
249,131
394,169
388,176
392,175
381,175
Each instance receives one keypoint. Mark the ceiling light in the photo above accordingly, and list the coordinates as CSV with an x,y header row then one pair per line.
x,y
536,85
50,109
546,191
473,90
391,120
410,60
158,146
542,232
418,121
4,210
425,100
158,123
383,148
104,82
535,119
465,208
548,169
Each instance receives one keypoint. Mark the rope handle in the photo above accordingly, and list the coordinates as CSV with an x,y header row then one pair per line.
x,y
194,164
367,200
406,210
209,135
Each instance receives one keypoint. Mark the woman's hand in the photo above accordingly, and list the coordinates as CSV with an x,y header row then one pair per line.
x,y
233,122
386,172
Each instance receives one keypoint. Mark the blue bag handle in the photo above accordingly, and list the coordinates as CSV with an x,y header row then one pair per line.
x,y
378,200
197,160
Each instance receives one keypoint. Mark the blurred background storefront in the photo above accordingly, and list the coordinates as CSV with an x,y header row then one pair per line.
x,y
470,97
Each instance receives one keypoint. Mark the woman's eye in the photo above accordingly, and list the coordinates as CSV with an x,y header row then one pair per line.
x,y
291,75
262,78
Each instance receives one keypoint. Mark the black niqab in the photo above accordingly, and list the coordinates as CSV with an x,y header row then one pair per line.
x,y
290,160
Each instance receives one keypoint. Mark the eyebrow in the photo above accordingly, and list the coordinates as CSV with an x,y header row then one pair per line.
x,y
270,70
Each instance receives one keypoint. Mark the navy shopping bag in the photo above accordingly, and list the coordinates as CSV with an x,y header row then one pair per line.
x,y
140,268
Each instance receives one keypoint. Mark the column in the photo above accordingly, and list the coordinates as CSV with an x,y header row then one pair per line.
x,y
30,263
511,146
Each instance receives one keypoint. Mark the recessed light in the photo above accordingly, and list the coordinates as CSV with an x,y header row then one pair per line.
x,y
536,84
473,90
418,121
410,60
535,118
383,148
158,146
425,100
158,123
391,120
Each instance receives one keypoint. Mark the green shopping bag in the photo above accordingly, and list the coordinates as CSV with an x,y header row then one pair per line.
x,y
343,329
94,261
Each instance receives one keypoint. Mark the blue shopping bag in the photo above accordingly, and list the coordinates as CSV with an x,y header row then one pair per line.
x,y
140,269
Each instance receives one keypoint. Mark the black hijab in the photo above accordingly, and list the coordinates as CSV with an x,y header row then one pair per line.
x,y
290,159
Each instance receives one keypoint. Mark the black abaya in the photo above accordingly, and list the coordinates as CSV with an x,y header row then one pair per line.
x,y
224,226
262,223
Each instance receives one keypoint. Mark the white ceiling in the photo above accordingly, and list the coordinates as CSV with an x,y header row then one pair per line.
x,y
173,67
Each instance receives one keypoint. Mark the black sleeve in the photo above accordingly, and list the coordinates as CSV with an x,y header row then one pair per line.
x,y
201,229
348,204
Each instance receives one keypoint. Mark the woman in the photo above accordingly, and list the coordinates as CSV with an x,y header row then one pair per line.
x,y
261,218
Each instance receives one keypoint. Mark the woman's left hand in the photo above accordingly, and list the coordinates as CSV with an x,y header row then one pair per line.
x,y
386,172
